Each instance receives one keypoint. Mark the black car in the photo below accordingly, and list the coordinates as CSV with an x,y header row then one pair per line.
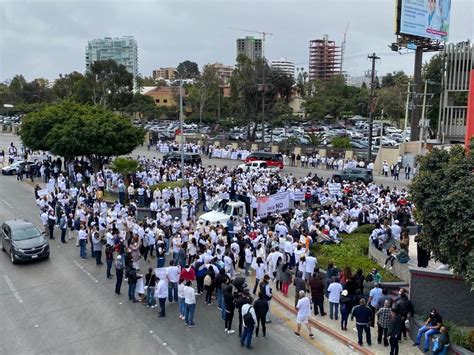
x,y
189,158
22,241
354,174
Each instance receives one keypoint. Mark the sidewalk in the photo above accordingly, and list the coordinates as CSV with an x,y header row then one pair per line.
x,y
332,328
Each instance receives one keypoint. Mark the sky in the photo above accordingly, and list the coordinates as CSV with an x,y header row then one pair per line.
x,y
43,38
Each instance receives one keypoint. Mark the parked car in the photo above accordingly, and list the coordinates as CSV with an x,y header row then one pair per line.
x,y
22,241
354,174
12,169
189,158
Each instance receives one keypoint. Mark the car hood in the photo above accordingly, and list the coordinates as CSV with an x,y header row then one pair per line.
x,y
30,243
214,216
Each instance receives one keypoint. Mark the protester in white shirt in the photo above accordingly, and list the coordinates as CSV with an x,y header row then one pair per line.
x,y
304,310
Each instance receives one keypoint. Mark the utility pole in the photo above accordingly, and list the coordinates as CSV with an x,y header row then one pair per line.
x,y
422,120
372,57
263,101
407,104
181,128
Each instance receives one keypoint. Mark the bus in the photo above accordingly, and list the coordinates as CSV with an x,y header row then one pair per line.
x,y
272,159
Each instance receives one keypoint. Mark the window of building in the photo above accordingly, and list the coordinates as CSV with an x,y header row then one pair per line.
x,y
165,101
157,101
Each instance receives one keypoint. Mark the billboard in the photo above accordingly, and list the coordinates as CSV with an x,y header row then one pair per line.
x,y
424,18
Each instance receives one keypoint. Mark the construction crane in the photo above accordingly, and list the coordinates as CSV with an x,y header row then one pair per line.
x,y
262,33
343,47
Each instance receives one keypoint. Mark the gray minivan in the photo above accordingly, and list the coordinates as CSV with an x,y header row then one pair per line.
x,y
22,241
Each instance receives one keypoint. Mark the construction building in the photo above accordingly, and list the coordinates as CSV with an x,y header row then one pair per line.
x,y
251,47
458,61
164,73
325,59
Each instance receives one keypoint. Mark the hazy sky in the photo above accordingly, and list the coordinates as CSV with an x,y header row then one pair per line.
x,y
42,38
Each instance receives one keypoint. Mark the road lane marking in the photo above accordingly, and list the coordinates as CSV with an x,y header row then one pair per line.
x,y
162,342
12,288
7,203
85,271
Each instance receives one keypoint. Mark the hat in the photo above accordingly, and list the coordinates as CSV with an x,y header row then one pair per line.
x,y
345,293
396,221
176,218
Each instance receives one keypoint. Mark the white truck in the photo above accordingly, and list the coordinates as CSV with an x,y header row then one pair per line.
x,y
221,213
257,165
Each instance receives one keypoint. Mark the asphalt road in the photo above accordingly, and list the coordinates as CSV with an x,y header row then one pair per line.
x,y
66,305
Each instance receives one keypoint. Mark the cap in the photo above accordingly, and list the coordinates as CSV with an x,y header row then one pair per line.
x,y
396,221
345,293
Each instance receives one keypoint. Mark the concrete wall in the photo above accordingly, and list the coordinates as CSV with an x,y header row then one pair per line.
x,y
388,154
400,270
449,294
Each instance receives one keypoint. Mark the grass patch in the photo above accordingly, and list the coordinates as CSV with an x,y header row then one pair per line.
x,y
168,184
352,251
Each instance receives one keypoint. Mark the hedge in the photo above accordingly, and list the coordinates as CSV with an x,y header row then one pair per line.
x,y
352,251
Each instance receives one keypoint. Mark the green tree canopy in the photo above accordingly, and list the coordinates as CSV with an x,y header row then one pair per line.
x,y
70,130
187,70
443,193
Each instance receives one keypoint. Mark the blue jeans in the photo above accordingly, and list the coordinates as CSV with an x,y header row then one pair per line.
x,y
131,291
246,338
189,313
160,262
150,296
172,288
333,310
167,244
109,267
162,302
428,334
83,250
221,302
182,306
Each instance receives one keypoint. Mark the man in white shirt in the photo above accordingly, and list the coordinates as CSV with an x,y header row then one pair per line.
x,y
246,338
161,293
82,237
189,304
173,272
311,262
396,230
334,296
304,309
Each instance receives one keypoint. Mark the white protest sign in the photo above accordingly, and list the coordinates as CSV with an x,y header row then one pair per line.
x,y
298,195
42,192
277,203
334,188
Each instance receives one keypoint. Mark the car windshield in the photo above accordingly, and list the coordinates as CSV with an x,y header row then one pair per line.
x,y
228,210
26,233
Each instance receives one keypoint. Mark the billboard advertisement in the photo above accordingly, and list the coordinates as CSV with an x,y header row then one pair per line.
x,y
425,18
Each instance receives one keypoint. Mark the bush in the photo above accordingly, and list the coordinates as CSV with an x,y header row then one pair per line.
x,y
365,229
459,335
341,143
352,251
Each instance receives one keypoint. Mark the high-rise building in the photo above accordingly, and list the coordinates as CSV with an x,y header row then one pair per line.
x,y
324,59
224,72
251,47
123,50
284,66
164,73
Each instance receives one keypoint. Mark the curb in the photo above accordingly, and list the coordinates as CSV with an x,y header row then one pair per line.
x,y
320,326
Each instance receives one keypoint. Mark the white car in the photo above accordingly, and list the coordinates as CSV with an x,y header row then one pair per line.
x,y
257,165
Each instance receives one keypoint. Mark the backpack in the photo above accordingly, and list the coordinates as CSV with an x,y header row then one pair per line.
x,y
207,280
248,319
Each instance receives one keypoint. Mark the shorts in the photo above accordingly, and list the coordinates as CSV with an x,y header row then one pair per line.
x,y
302,319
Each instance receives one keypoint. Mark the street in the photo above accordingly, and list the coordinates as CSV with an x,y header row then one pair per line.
x,y
66,305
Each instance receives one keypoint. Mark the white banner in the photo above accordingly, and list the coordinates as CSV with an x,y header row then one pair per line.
x,y
334,188
42,192
298,195
233,155
277,203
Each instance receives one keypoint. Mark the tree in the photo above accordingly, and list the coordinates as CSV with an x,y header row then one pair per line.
x,y
341,142
187,70
443,192
205,89
395,78
70,130
124,166
433,71
66,85
107,84
315,139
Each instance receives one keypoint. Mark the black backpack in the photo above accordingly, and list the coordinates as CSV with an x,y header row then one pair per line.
x,y
248,319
